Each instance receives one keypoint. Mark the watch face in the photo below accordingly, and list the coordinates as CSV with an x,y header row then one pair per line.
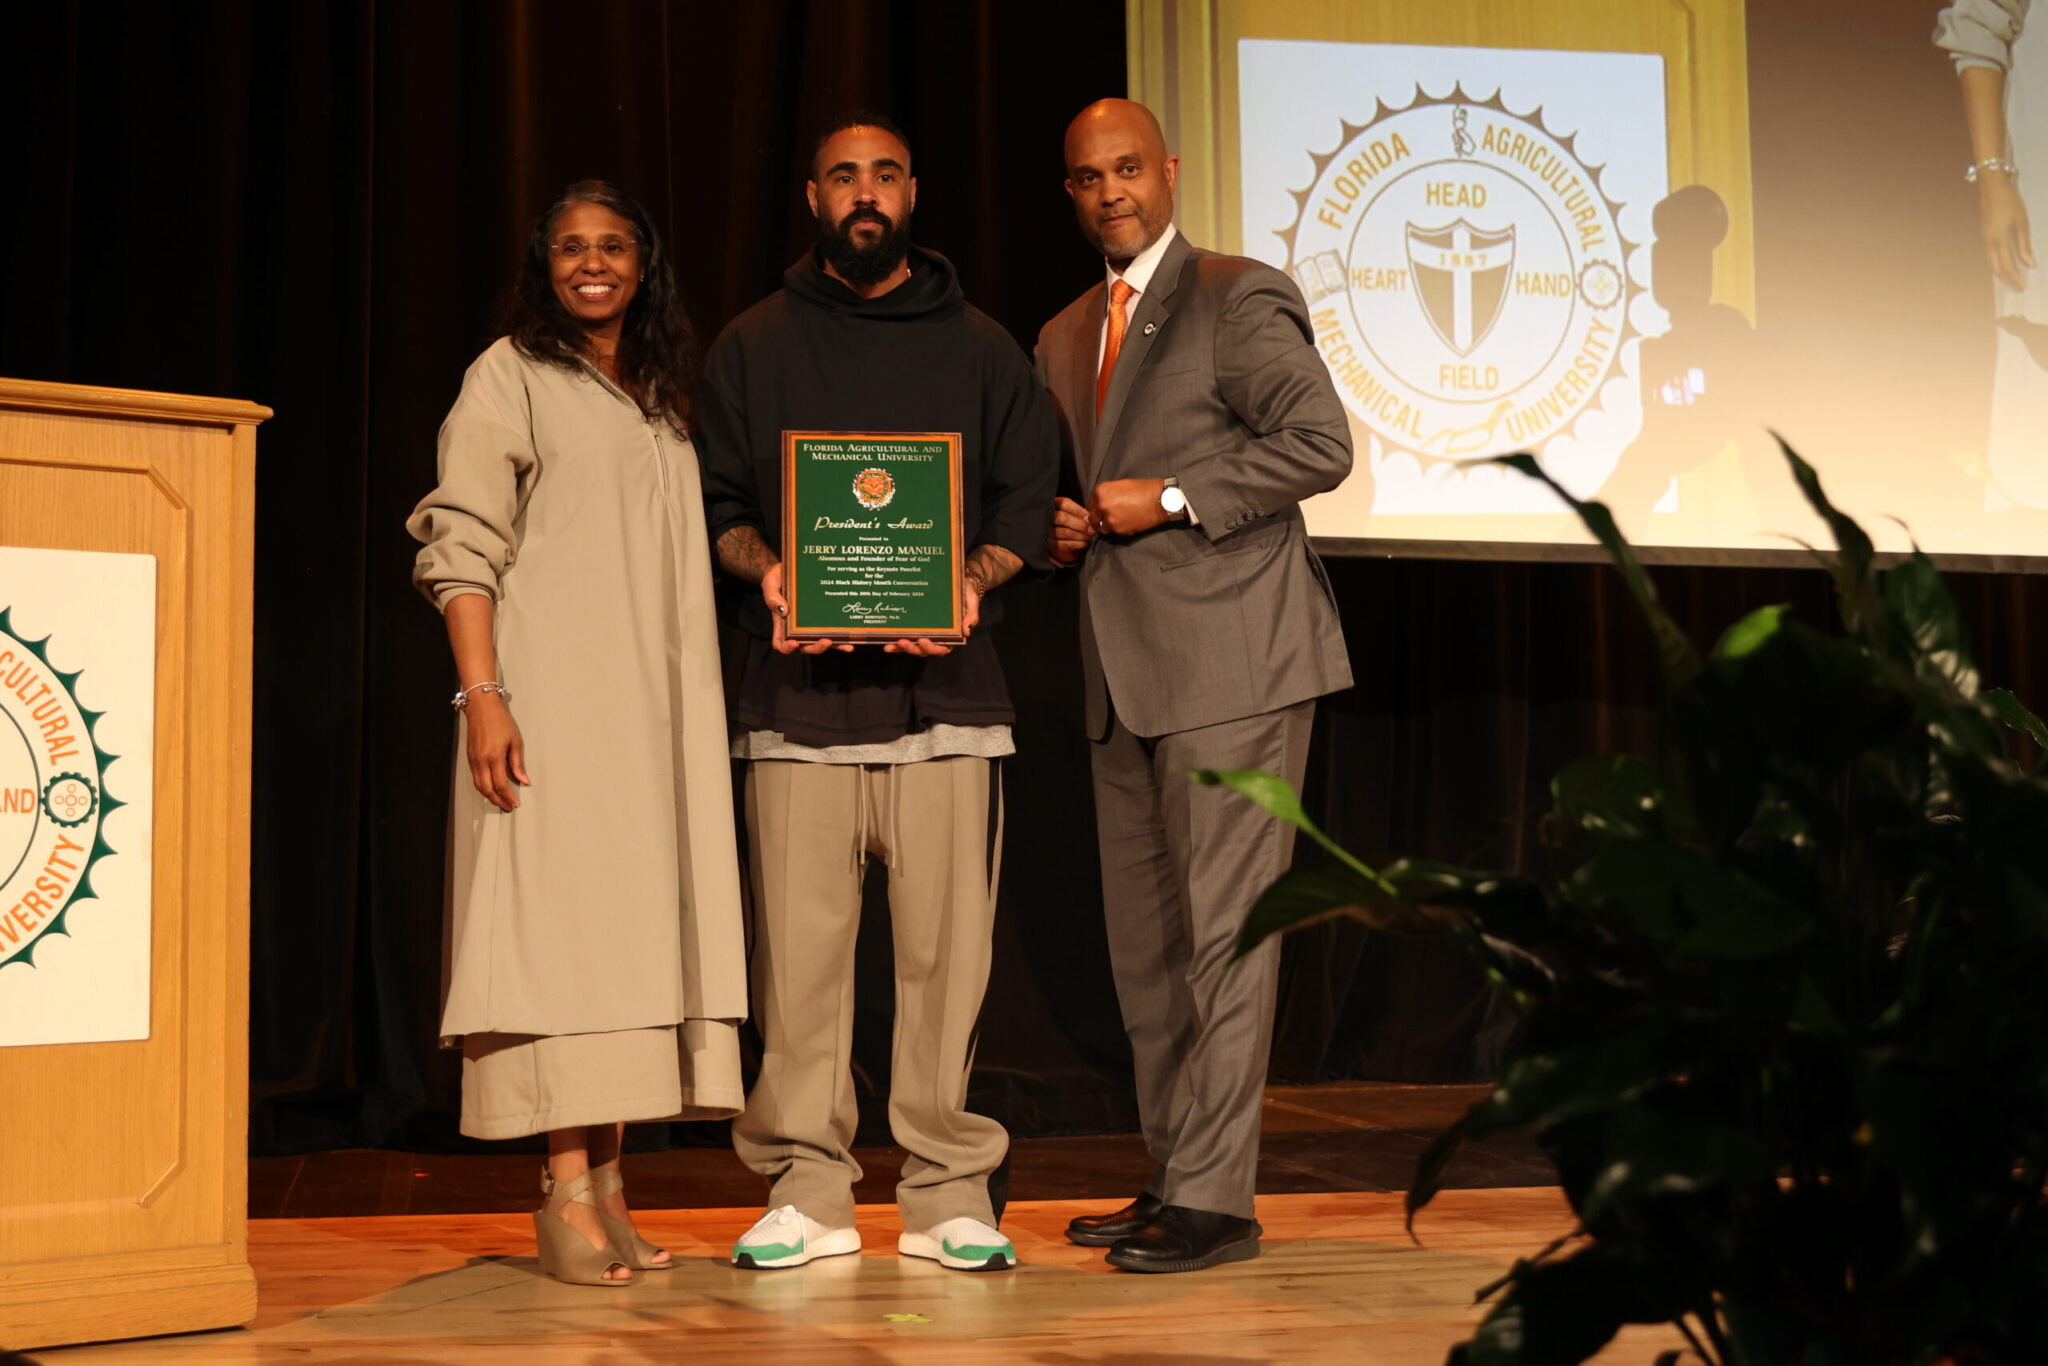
x,y
1172,499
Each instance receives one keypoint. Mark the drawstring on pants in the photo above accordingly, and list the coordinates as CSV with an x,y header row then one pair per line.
x,y
892,826
895,822
860,815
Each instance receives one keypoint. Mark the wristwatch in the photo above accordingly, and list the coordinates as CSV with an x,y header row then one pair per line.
x,y
1171,499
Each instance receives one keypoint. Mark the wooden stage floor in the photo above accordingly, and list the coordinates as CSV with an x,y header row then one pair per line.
x,y
1314,1140
403,1259
1339,1282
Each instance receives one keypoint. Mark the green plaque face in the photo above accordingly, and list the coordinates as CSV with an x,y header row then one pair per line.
x,y
871,535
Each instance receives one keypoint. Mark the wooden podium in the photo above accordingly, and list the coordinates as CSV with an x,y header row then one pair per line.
x,y
123,1166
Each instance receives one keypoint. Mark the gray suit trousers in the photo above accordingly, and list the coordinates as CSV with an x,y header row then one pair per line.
x,y
1181,865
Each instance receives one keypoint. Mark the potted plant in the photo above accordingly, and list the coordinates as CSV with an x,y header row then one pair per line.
x,y
1784,1012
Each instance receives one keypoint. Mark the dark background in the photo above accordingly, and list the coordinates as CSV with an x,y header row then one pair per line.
x,y
319,206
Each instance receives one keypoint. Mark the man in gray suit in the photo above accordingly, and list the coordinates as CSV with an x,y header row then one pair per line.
x,y
1197,416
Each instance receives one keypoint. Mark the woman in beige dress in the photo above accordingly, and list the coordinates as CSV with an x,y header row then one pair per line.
x,y
594,966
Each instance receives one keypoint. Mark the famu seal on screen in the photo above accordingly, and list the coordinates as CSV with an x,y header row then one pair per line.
x,y
1466,275
53,798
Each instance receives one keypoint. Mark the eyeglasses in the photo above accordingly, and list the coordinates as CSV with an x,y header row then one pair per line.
x,y
612,248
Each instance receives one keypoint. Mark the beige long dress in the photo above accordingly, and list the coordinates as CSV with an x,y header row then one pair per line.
x,y
594,963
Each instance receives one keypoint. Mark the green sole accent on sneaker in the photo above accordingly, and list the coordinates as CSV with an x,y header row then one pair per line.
x,y
973,1252
996,1263
972,1257
760,1256
836,1242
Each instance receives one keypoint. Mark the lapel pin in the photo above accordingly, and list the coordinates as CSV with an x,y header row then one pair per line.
x,y
1150,328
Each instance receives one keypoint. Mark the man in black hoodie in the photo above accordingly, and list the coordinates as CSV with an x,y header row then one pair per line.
x,y
888,751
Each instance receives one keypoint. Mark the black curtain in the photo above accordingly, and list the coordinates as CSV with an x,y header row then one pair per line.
x,y
319,205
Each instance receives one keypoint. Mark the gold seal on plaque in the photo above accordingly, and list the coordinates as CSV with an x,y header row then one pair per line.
x,y
874,489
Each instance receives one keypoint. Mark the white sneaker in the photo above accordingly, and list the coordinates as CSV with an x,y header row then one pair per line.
x,y
962,1244
786,1236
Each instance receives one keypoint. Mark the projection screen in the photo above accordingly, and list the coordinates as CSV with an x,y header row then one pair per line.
x,y
1640,239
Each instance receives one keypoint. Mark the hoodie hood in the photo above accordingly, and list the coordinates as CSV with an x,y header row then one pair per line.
x,y
931,292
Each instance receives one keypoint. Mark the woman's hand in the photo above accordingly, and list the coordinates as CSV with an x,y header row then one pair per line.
x,y
497,755
2008,237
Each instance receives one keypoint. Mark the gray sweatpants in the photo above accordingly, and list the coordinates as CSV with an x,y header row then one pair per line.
x,y
937,824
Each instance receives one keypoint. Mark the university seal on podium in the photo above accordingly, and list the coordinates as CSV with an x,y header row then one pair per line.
x,y
52,795
1466,275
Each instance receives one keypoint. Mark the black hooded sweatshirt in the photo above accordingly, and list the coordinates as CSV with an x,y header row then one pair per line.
x,y
815,356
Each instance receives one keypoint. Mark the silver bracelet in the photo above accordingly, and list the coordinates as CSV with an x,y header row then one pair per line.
x,y
1991,164
461,699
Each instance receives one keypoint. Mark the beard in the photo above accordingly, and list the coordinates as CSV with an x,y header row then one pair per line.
x,y
1151,232
862,265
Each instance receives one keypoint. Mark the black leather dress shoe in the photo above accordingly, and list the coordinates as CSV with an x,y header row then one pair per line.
x,y
1104,1230
1183,1239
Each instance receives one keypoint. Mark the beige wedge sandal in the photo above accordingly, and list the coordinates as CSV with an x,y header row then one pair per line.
x,y
565,1253
638,1252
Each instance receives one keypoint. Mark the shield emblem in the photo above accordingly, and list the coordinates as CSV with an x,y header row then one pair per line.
x,y
1461,277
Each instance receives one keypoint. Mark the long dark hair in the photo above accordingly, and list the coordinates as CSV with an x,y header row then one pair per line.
x,y
658,361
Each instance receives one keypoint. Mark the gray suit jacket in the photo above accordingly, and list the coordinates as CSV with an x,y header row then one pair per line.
x,y
1218,384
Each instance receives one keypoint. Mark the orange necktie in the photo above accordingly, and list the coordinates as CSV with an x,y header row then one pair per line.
x,y
1119,295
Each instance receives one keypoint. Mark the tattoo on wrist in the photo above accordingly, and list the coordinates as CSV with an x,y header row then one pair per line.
x,y
990,566
744,555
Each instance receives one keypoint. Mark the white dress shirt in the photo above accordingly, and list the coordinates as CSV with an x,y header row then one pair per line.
x,y
1138,275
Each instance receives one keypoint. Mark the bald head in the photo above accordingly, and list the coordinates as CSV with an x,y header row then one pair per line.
x,y
1120,177
1123,121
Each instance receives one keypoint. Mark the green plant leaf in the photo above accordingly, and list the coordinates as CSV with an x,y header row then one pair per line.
x,y
1814,1013
1764,1331
1328,891
1927,619
1946,1171
1435,1162
1652,1153
1547,1087
1861,608
1681,661
1732,921
1477,904
2014,714
1784,719
1604,796
1272,794
1685,899
1425,882
1517,1333
1746,636
1563,1311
